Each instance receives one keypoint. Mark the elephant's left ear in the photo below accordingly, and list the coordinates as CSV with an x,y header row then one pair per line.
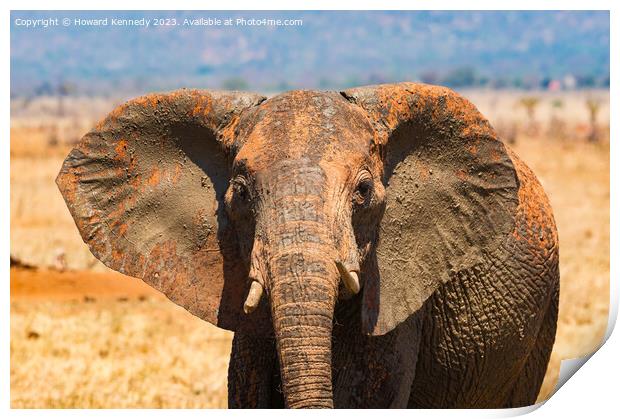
x,y
451,192
146,190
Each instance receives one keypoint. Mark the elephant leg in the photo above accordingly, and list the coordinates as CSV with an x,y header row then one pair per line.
x,y
391,362
527,385
253,373
374,371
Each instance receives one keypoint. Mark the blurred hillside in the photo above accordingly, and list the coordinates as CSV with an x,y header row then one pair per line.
x,y
542,49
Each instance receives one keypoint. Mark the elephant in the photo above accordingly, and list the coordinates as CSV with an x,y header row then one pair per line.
x,y
378,247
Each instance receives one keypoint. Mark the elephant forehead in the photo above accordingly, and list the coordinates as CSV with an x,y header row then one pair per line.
x,y
309,125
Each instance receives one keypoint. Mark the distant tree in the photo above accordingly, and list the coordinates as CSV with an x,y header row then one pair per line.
x,y
483,81
545,82
586,81
557,126
63,90
517,82
429,77
235,83
44,89
53,139
531,82
377,78
594,106
325,83
557,103
203,70
460,77
498,83
530,103
352,81
605,81
283,86
507,131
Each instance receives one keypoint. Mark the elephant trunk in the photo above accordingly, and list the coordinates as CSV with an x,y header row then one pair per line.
x,y
298,254
303,329
303,293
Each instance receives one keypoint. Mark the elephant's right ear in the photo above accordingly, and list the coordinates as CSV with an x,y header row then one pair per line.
x,y
451,195
146,190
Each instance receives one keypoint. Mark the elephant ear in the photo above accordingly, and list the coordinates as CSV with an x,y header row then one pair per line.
x,y
451,195
146,189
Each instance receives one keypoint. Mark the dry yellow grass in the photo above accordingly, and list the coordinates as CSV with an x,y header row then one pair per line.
x,y
132,352
97,346
141,354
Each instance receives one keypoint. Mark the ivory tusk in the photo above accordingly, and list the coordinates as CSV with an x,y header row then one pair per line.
x,y
350,278
254,295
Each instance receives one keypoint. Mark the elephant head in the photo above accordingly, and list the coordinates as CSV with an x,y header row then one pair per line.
x,y
259,215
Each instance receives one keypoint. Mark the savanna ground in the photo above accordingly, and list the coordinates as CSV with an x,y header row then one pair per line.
x,y
83,336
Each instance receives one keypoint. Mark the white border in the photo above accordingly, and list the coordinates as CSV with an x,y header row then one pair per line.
x,y
593,391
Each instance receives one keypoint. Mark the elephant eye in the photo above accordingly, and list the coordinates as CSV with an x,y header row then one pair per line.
x,y
365,187
240,189
363,192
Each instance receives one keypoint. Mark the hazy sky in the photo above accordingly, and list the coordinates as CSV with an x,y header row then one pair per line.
x,y
169,49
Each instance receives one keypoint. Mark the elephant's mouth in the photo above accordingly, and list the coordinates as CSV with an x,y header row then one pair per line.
x,y
350,279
